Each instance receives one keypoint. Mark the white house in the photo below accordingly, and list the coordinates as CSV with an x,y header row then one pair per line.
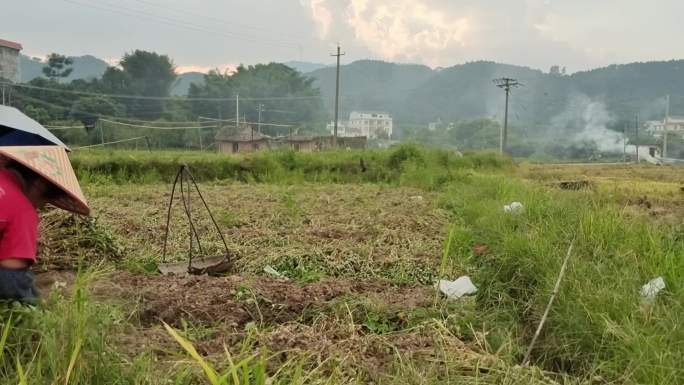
x,y
673,124
369,124
341,128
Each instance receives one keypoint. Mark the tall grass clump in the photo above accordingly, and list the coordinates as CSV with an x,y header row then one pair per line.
x,y
66,340
400,164
599,327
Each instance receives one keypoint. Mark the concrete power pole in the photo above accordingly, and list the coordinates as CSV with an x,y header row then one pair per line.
x,y
667,121
636,141
2,86
506,84
237,112
260,109
337,95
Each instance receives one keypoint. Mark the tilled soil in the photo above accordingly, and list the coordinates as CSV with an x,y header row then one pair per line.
x,y
234,301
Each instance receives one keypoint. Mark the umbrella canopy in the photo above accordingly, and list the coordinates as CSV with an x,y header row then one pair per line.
x,y
17,129
52,163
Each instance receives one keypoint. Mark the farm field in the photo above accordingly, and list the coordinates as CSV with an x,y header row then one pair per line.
x,y
358,240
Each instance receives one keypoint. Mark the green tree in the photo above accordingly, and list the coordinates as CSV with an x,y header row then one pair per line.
x,y
141,73
58,66
285,96
151,74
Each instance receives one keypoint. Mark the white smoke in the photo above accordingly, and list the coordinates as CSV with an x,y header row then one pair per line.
x,y
585,120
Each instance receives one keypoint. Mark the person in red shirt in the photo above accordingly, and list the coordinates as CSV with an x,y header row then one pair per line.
x,y
22,193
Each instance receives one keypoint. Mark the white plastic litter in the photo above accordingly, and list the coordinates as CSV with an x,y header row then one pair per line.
x,y
650,290
513,207
273,272
458,288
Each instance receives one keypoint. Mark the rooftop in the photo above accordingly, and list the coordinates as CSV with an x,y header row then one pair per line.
x,y
10,44
370,112
246,134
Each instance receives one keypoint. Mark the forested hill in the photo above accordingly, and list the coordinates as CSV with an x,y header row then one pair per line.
x,y
418,94
85,67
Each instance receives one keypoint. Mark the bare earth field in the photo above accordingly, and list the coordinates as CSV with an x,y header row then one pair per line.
x,y
353,299
357,262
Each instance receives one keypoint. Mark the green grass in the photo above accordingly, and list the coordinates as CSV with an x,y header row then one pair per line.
x,y
597,327
406,164
598,331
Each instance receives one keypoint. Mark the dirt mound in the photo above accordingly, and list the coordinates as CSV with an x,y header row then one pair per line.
x,y
237,300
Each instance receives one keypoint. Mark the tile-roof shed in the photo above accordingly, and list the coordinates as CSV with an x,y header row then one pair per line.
x,y
10,44
247,134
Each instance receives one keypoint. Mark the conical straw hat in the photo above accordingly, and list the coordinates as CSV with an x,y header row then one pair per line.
x,y
52,163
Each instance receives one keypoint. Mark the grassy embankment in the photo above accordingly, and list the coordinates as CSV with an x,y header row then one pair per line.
x,y
599,330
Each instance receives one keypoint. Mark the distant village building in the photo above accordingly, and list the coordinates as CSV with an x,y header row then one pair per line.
x,y
372,125
9,60
245,140
673,124
300,143
341,128
438,124
248,140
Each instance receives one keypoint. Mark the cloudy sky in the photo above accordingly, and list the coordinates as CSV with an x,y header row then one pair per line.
x,y
204,34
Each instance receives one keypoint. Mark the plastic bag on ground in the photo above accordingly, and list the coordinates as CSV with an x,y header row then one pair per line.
x,y
513,207
458,288
273,272
650,290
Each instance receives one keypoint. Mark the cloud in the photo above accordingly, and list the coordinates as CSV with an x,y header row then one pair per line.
x,y
447,32
321,15
407,30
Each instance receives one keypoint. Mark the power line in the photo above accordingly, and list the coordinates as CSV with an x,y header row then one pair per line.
x,y
158,128
117,8
217,19
107,118
114,142
62,127
142,97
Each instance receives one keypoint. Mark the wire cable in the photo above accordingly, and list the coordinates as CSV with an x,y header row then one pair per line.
x,y
117,8
142,97
158,128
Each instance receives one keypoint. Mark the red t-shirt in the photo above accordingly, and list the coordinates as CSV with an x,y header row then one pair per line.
x,y
18,220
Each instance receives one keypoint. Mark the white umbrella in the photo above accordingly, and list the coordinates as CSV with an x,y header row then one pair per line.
x,y
17,129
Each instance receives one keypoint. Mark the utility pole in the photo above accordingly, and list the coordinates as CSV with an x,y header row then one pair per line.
x,y
506,84
667,121
337,95
624,143
237,112
260,108
2,86
636,142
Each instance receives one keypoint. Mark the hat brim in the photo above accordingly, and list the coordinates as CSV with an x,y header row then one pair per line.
x,y
52,163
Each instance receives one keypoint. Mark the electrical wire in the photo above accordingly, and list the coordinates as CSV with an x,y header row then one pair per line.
x,y
142,97
158,128
107,143
222,21
62,127
117,8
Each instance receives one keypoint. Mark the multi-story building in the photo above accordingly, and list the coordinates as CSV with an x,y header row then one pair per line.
x,y
673,124
372,125
9,60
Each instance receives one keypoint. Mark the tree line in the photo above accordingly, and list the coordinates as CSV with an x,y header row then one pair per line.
x,y
137,92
